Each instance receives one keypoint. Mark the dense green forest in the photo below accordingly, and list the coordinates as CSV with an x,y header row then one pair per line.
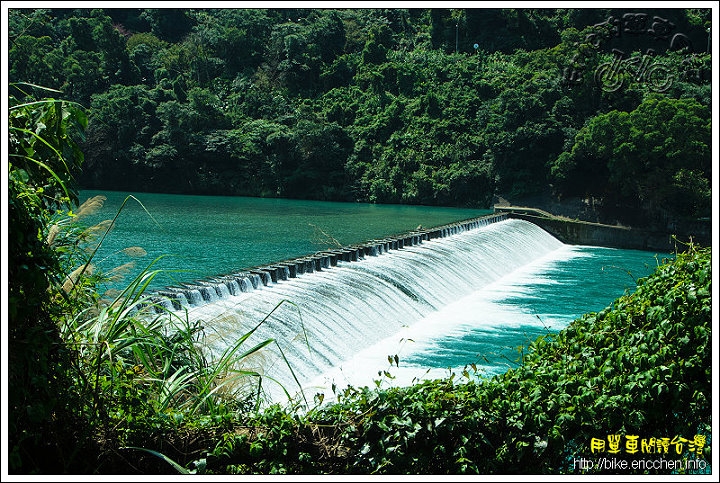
x,y
417,106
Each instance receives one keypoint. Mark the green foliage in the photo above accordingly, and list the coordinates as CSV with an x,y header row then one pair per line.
x,y
639,367
415,113
92,368
43,157
138,384
642,155
380,105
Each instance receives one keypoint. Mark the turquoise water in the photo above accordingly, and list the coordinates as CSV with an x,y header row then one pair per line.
x,y
491,326
201,236
354,316
541,298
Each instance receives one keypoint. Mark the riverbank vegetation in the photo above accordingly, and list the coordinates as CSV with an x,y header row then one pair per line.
x,y
417,106
373,105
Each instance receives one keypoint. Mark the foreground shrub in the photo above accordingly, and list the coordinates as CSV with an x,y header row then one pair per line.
x,y
43,155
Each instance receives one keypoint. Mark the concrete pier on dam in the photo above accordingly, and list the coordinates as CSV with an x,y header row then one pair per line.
x,y
207,290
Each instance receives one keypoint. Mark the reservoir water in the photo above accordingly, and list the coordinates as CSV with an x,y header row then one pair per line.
x,y
201,236
475,298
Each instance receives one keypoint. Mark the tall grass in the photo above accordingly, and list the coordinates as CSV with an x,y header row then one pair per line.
x,y
136,359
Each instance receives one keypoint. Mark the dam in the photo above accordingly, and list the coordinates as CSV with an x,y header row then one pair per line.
x,y
463,292
320,311
211,289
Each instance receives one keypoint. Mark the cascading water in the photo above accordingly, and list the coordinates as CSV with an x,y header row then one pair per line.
x,y
324,318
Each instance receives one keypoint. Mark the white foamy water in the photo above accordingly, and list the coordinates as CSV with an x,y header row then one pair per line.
x,y
479,314
338,326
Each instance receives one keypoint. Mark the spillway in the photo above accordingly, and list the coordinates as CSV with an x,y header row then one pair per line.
x,y
322,310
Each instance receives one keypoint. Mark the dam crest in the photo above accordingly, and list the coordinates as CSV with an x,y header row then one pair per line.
x,y
211,289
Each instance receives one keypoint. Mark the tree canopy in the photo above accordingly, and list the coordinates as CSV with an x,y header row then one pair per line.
x,y
418,106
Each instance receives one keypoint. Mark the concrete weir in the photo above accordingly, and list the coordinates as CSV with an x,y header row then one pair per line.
x,y
210,289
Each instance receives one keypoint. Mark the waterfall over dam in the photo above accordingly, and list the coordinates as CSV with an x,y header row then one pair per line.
x,y
325,308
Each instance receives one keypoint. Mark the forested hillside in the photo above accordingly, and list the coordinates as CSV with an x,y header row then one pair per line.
x,y
418,106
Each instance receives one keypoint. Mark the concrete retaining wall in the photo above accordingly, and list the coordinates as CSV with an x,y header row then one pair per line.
x,y
586,233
